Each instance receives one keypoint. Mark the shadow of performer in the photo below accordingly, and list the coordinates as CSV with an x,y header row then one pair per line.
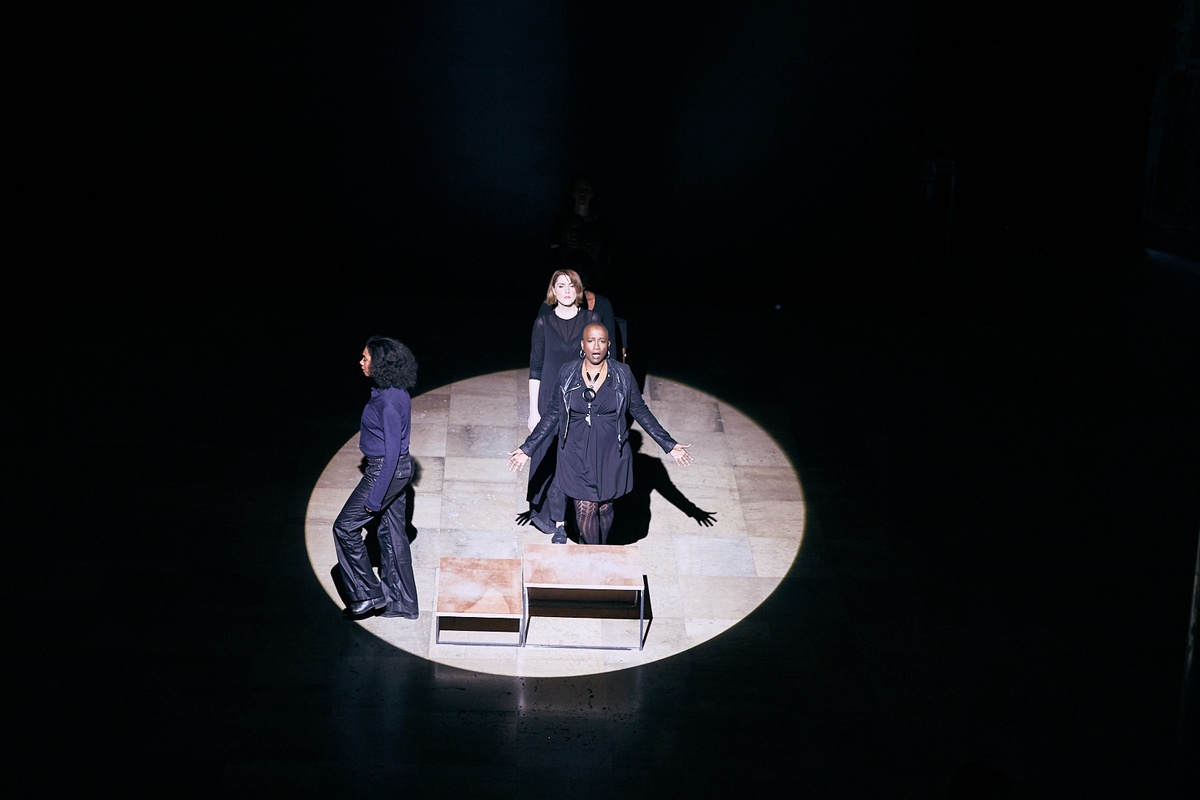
x,y
631,518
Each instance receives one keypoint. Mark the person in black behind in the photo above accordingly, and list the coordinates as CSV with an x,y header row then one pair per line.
x,y
593,398
592,300
380,496
554,340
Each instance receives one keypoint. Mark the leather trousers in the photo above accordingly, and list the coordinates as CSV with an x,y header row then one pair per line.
x,y
395,581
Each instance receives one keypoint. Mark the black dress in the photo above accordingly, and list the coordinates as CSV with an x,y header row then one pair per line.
x,y
592,467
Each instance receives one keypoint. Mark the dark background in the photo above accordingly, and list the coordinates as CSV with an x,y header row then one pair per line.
x,y
772,143
991,390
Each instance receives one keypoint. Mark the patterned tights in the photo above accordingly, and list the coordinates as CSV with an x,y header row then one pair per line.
x,y
594,520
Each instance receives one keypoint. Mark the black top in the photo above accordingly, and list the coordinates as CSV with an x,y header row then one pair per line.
x,y
555,342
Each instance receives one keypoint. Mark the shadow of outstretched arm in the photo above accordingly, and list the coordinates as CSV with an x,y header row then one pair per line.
x,y
663,484
632,519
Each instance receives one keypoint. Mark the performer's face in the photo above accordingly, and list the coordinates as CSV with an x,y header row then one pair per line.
x,y
564,291
595,344
583,192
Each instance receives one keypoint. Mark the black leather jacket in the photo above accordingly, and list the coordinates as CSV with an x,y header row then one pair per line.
x,y
629,398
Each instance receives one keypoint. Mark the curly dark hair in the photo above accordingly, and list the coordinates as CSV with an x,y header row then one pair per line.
x,y
392,363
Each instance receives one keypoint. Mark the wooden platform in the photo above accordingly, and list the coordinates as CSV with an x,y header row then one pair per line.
x,y
490,601
600,582
481,599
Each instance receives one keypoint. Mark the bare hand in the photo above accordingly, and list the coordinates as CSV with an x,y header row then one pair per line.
x,y
517,460
705,518
682,457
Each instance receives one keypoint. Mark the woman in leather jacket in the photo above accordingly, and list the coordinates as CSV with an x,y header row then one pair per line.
x,y
593,399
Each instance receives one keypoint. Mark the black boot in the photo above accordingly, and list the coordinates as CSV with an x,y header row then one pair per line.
x,y
365,608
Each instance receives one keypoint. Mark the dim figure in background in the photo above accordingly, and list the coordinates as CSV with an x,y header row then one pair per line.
x,y
557,330
580,226
567,249
593,398
379,497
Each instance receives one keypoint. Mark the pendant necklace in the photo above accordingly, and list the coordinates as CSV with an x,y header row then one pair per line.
x,y
589,394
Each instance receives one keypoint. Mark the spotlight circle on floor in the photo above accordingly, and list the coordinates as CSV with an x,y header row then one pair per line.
x,y
715,539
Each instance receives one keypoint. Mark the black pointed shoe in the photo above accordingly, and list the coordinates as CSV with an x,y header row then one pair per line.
x,y
364,608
